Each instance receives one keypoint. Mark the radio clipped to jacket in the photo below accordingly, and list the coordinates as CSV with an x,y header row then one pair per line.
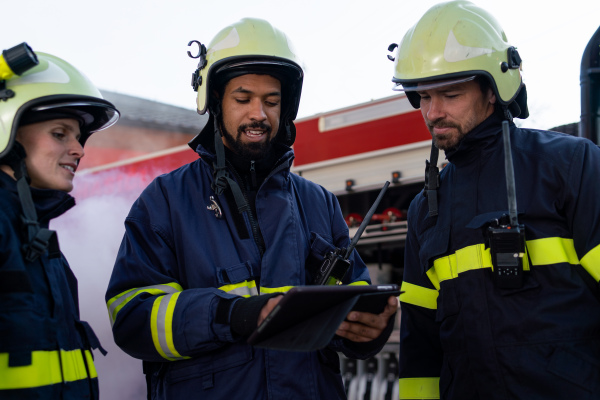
x,y
506,236
507,246
336,264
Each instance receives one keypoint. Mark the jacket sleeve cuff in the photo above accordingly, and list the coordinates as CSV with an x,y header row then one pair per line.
x,y
242,313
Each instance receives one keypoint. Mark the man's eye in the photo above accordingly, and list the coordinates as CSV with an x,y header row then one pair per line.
x,y
242,101
58,135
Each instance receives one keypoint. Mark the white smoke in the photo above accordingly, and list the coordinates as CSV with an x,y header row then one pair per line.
x,y
89,236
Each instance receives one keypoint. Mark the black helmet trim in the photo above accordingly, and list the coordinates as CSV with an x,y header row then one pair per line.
x,y
257,61
100,112
413,97
95,115
288,73
418,86
253,60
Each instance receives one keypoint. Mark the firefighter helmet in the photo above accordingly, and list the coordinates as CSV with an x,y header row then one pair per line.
x,y
453,42
249,46
52,88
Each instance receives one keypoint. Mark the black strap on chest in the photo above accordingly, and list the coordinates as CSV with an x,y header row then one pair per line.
x,y
432,180
222,180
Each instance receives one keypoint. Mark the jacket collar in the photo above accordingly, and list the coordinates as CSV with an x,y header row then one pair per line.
x,y
477,142
49,203
280,154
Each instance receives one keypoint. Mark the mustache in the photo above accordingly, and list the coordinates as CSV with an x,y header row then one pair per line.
x,y
441,124
255,125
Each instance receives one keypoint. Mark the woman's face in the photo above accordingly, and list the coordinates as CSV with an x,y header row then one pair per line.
x,y
53,151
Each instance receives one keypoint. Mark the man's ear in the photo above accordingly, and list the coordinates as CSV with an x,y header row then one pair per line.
x,y
491,96
216,98
214,104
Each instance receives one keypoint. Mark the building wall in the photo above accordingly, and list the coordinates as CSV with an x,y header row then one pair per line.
x,y
121,142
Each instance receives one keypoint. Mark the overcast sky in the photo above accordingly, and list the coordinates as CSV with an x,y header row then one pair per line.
x,y
140,47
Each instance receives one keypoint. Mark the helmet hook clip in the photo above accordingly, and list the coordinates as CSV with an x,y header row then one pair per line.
x,y
196,78
391,49
513,59
5,93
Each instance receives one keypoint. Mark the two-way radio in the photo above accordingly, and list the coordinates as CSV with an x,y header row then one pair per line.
x,y
506,236
336,264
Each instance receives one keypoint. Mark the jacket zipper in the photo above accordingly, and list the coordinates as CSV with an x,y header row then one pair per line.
x,y
253,223
253,175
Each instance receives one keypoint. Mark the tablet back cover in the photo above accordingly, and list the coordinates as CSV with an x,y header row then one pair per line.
x,y
307,317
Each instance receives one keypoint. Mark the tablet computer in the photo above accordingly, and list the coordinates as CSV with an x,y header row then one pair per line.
x,y
307,317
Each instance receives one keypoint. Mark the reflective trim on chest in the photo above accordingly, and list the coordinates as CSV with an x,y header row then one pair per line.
x,y
546,251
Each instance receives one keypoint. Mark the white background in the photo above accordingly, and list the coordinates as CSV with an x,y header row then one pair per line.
x,y
140,47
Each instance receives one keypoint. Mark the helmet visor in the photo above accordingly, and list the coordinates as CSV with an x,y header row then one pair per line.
x,y
95,116
416,86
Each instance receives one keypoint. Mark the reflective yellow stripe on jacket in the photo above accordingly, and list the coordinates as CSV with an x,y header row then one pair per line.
x,y
161,318
545,251
47,368
419,388
115,304
419,296
591,262
285,289
245,289
358,283
161,326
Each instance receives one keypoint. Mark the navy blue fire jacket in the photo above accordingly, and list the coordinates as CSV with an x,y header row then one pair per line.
x,y
462,336
177,262
45,349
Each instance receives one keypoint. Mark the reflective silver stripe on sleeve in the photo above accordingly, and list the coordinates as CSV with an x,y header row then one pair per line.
x,y
117,302
244,291
162,328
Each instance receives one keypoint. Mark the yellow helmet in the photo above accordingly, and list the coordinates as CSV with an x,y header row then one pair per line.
x,y
453,42
52,87
42,88
249,46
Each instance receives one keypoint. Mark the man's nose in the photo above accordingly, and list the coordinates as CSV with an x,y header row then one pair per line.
x,y
257,110
435,109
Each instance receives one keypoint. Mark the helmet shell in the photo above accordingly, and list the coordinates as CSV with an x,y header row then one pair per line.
x,y
53,84
458,39
251,43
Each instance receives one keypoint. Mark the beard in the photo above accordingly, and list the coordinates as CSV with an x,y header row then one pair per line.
x,y
249,151
446,142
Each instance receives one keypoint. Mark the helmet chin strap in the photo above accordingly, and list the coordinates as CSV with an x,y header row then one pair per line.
x,y
222,180
506,112
432,172
432,180
37,239
287,129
